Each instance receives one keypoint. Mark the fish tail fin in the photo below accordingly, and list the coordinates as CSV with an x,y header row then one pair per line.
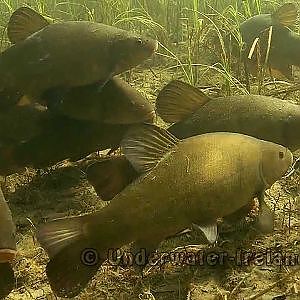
x,y
73,258
110,176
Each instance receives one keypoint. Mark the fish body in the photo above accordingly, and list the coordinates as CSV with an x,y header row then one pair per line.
x,y
67,138
67,54
196,180
284,46
193,113
263,117
22,123
116,103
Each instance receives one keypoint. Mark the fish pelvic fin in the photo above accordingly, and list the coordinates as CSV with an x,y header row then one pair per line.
x,y
24,22
177,100
286,15
146,145
265,219
55,235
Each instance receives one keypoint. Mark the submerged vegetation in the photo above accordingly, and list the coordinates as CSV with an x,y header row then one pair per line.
x,y
190,32
192,48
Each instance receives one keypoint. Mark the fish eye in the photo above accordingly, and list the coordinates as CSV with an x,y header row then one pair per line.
x,y
281,154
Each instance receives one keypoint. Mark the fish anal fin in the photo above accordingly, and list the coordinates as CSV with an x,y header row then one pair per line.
x,y
24,22
177,100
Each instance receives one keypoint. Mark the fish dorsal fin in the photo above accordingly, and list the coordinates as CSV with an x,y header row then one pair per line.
x,y
286,14
177,100
24,22
146,145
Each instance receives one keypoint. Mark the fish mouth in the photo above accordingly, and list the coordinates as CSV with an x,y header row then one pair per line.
x,y
7,255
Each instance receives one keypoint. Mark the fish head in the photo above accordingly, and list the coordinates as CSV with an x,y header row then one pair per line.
x,y
276,160
130,50
122,104
7,232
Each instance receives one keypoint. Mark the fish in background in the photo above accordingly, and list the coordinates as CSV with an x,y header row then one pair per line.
x,y
192,181
22,123
62,55
116,103
263,117
74,131
7,248
193,113
285,43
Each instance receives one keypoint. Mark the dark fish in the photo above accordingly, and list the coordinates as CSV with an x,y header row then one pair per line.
x,y
7,248
7,282
64,55
195,113
21,123
285,44
63,139
196,180
116,103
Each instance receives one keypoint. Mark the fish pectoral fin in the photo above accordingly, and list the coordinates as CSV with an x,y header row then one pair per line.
x,y
177,100
286,15
265,219
145,145
24,22
110,176
58,234
210,231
